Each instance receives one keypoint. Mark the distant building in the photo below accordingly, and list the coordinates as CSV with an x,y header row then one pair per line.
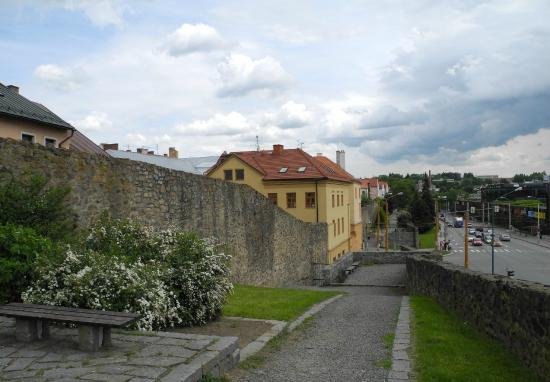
x,y
312,189
196,165
492,178
374,188
24,120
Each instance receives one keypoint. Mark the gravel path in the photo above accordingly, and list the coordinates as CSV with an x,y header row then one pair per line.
x,y
381,275
344,342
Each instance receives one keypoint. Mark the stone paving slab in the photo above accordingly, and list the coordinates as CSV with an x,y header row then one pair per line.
x,y
134,356
401,364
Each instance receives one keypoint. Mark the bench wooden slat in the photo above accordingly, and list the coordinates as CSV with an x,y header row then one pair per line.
x,y
68,309
81,316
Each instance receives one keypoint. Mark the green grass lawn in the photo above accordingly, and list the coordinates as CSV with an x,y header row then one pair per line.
x,y
447,349
272,303
427,239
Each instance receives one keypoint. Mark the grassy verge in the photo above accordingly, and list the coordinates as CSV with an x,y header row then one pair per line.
x,y
427,239
388,343
448,349
272,303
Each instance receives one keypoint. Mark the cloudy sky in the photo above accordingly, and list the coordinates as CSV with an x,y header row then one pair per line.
x,y
401,86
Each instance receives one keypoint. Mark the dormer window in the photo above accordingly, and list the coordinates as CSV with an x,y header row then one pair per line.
x,y
283,170
302,169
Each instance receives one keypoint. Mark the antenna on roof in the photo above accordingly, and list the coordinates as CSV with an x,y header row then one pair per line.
x,y
300,144
257,143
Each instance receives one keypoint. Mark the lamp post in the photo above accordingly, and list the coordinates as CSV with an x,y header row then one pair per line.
x,y
386,233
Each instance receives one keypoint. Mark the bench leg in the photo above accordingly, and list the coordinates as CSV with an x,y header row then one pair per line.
x,y
26,330
43,329
89,337
107,341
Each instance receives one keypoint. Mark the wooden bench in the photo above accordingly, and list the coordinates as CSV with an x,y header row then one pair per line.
x,y
94,326
348,270
355,264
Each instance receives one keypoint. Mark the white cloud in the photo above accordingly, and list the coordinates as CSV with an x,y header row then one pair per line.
x,y
100,12
60,78
241,75
292,35
95,121
192,38
220,124
291,116
136,138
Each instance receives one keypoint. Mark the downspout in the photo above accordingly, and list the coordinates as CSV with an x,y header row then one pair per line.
x,y
317,200
66,139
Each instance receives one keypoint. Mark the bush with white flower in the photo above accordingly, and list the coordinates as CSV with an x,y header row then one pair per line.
x,y
171,278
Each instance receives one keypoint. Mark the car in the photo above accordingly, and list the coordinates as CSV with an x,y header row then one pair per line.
x,y
477,242
488,239
505,237
471,239
449,224
472,231
497,243
478,234
469,224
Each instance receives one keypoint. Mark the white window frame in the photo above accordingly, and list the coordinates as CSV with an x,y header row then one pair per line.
x,y
54,139
32,135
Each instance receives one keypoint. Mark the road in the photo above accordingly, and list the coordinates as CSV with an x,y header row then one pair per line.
x,y
528,260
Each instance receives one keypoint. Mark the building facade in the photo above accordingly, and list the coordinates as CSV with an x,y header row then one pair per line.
x,y
312,189
374,188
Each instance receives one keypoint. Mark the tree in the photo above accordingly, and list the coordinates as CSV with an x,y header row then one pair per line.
x,y
421,215
404,219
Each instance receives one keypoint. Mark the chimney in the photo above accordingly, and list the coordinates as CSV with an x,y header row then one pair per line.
x,y
142,150
14,88
278,149
172,152
341,158
150,152
319,154
109,146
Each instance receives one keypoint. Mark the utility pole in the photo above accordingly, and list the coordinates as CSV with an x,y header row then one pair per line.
x,y
538,221
386,233
509,217
482,214
436,226
493,239
466,217
378,227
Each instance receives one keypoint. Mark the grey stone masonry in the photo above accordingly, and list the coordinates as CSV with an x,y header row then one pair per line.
x,y
132,356
401,363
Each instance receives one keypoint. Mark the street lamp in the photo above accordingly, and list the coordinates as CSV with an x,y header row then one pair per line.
x,y
493,227
386,233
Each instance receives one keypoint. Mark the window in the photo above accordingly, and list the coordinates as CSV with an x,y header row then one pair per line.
x,y
272,197
301,169
343,229
334,227
27,137
228,174
338,226
332,200
50,142
310,199
239,174
283,169
290,200
341,199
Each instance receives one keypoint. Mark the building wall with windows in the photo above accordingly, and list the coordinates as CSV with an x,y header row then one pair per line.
x,y
20,129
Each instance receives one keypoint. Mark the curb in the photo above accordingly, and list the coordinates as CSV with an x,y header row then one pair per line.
x,y
259,343
366,285
530,242
401,364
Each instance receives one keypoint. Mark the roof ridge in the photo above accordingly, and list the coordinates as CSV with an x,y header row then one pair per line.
x,y
311,160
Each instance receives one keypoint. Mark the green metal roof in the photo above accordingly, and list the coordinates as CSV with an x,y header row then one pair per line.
x,y
15,105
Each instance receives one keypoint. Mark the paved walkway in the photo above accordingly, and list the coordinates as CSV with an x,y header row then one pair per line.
x,y
134,357
345,341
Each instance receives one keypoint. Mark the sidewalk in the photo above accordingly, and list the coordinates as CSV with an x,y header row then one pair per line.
x,y
544,242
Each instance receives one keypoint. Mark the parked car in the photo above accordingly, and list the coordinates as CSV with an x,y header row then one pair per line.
x,y
477,242
497,243
505,237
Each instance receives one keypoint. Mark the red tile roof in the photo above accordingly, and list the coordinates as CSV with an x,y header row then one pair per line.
x,y
269,165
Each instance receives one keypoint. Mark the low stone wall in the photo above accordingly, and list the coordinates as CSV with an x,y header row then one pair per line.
x,y
335,273
517,313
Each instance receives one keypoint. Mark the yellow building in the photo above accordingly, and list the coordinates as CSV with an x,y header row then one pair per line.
x,y
313,189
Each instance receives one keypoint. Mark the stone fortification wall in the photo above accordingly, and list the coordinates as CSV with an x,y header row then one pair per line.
x,y
269,246
517,313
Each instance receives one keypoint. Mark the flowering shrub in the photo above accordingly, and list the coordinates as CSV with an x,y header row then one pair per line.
x,y
169,277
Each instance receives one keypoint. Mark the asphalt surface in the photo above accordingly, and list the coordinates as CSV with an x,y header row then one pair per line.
x,y
345,341
528,260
